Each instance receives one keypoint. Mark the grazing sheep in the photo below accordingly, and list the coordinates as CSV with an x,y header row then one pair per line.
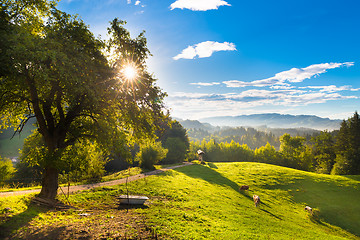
x,y
309,209
244,187
256,200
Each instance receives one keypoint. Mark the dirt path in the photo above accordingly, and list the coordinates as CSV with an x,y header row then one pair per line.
x,y
95,185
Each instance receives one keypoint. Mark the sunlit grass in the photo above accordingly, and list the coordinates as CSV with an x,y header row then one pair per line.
x,y
110,177
203,202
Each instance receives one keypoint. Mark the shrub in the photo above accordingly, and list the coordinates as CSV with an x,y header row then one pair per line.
x,y
6,170
150,153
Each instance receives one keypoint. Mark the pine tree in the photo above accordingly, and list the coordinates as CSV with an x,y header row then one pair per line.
x,y
348,147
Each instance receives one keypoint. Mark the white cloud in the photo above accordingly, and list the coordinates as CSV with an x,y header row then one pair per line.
x,y
137,2
205,84
187,53
128,1
332,88
204,49
299,75
197,105
292,75
285,86
198,5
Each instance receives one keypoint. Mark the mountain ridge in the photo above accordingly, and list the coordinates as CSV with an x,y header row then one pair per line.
x,y
275,120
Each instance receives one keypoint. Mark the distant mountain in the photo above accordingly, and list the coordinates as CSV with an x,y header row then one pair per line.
x,y
194,124
275,120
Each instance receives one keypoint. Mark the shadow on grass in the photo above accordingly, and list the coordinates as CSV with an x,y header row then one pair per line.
x,y
207,174
245,193
332,198
353,177
14,223
271,214
132,206
214,177
212,165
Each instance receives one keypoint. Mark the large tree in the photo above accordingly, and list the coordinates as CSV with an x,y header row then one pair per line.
x,y
175,139
324,152
295,153
75,85
347,147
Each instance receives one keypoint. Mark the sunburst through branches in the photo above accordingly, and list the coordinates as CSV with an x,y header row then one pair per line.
x,y
130,72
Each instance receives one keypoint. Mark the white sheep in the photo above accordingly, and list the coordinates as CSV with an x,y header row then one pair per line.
x,y
256,200
309,209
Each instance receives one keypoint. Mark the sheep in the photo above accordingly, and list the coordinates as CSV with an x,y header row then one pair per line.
x,y
256,200
309,209
244,187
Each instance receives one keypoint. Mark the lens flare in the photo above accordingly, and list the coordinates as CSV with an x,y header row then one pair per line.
x,y
129,72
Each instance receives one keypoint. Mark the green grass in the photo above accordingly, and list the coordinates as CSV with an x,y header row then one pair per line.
x,y
132,171
203,202
114,176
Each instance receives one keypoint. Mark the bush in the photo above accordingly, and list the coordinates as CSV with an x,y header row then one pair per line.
x,y
83,161
150,153
6,170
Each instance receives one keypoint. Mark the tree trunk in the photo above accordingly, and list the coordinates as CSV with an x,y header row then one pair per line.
x,y
50,183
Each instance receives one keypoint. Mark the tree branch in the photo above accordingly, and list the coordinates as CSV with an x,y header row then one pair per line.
x,y
22,125
36,105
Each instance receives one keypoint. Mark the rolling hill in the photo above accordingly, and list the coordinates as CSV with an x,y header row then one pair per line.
x,y
204,202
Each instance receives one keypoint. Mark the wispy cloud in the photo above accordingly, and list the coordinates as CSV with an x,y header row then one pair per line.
x,y
198,5
197,105
332,88
137,2
293,75
204,49
205,84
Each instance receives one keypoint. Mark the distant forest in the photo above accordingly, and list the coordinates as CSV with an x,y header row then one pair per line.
x,y
336,152
253,138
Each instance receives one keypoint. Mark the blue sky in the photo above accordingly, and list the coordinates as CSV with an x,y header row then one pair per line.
x,y
228,58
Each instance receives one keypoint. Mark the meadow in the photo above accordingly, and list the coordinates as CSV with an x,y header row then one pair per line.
x,y
202,202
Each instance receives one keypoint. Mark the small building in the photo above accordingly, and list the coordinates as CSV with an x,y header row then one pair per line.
x,y
200,154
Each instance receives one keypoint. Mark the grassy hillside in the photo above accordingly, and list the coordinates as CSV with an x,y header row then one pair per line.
x,y
203,202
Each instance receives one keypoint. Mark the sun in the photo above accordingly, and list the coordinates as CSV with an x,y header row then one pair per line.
x,y
129,72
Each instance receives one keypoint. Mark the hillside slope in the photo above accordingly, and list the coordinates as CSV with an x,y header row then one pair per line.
x,y
204,202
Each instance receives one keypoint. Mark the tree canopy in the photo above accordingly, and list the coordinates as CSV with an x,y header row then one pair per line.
x,y
56,71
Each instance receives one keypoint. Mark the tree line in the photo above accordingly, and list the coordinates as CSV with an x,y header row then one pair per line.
x,y
253,138
336,152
